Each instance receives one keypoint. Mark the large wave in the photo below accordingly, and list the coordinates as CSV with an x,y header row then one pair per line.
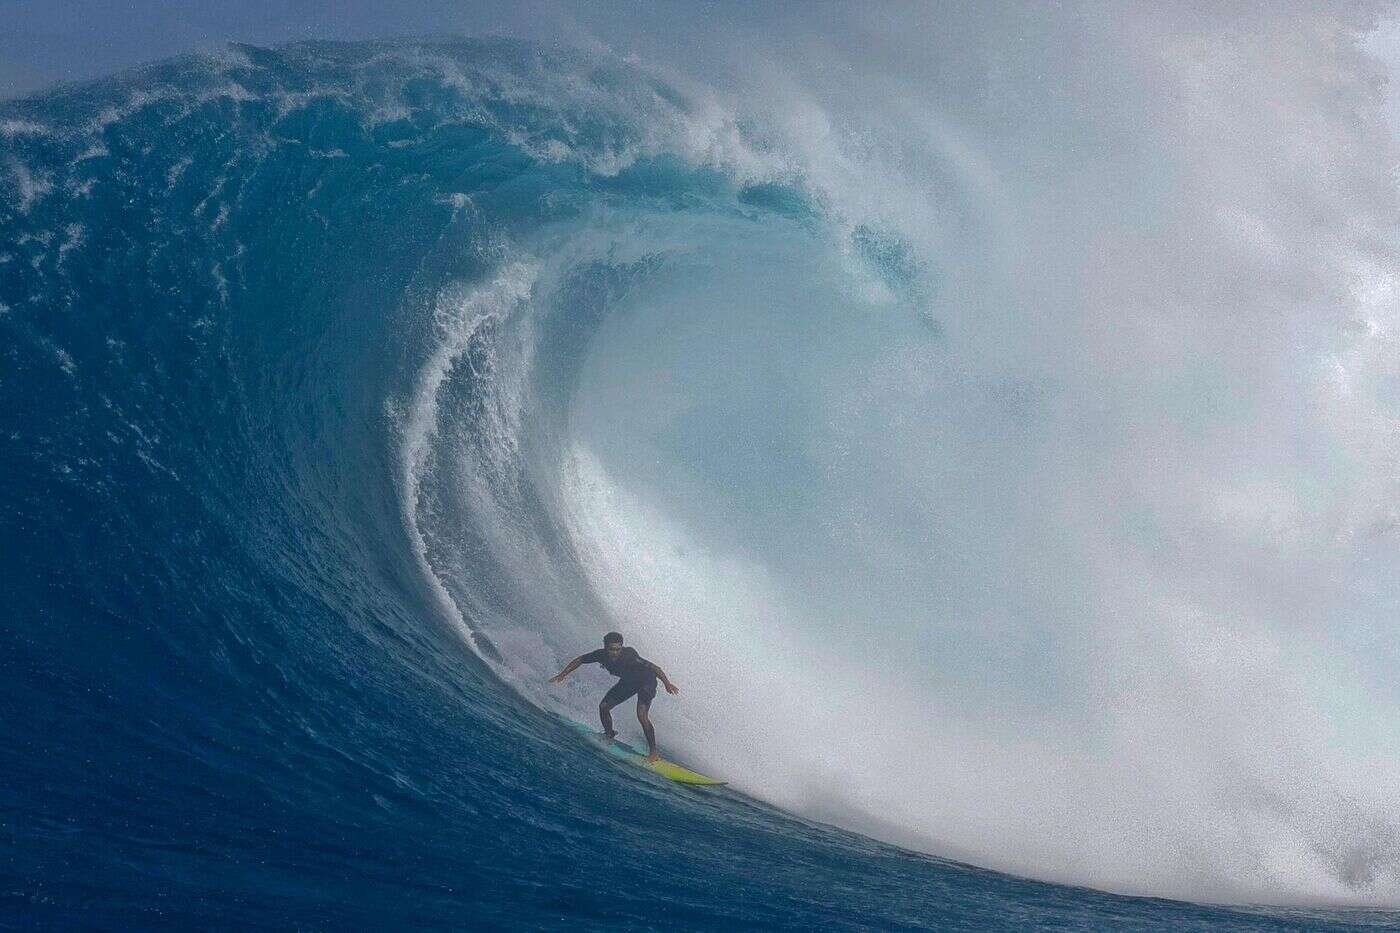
x,y
1011,479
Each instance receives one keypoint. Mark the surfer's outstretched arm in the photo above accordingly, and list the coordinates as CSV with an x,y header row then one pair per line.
x,y
568,669
661,676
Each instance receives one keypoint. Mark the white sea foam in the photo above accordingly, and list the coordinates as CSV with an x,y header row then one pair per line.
x,y
12,128
73,237
28,186
458,315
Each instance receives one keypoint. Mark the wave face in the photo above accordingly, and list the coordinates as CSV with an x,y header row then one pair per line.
x,y
976,503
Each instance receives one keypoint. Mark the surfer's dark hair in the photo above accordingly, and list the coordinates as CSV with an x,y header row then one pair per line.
x,y
612,638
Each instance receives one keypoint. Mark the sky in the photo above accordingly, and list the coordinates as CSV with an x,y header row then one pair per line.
x,y
44,42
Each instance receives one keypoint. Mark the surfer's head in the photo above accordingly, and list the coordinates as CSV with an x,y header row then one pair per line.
x,y
612,642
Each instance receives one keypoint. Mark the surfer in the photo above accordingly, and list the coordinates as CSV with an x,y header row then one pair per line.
x,y
636,675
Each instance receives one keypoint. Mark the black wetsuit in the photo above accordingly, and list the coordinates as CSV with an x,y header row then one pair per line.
x,y
635,673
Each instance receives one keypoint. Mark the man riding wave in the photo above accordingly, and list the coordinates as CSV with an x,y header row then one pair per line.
x,y
636,675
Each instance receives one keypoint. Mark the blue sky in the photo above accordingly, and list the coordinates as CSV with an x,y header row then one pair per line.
x,y
44,41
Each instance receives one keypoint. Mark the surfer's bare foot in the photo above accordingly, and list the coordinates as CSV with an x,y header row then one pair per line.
x,y
610,735
652,757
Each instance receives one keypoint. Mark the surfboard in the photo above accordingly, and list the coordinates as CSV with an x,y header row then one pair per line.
x,y
625,752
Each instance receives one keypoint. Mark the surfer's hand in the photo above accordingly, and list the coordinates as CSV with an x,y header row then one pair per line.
x,y
672,688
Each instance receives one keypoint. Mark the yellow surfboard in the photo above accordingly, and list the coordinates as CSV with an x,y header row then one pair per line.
x,y
625,752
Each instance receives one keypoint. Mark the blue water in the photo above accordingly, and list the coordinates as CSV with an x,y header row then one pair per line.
x,y
289,342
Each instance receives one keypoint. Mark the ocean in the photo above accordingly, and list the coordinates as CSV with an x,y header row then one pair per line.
x,y
348,390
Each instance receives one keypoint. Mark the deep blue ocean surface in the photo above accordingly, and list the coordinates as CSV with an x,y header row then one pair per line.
x,y
292,347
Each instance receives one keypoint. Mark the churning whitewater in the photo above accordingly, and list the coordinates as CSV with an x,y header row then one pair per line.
x,y
1005,475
